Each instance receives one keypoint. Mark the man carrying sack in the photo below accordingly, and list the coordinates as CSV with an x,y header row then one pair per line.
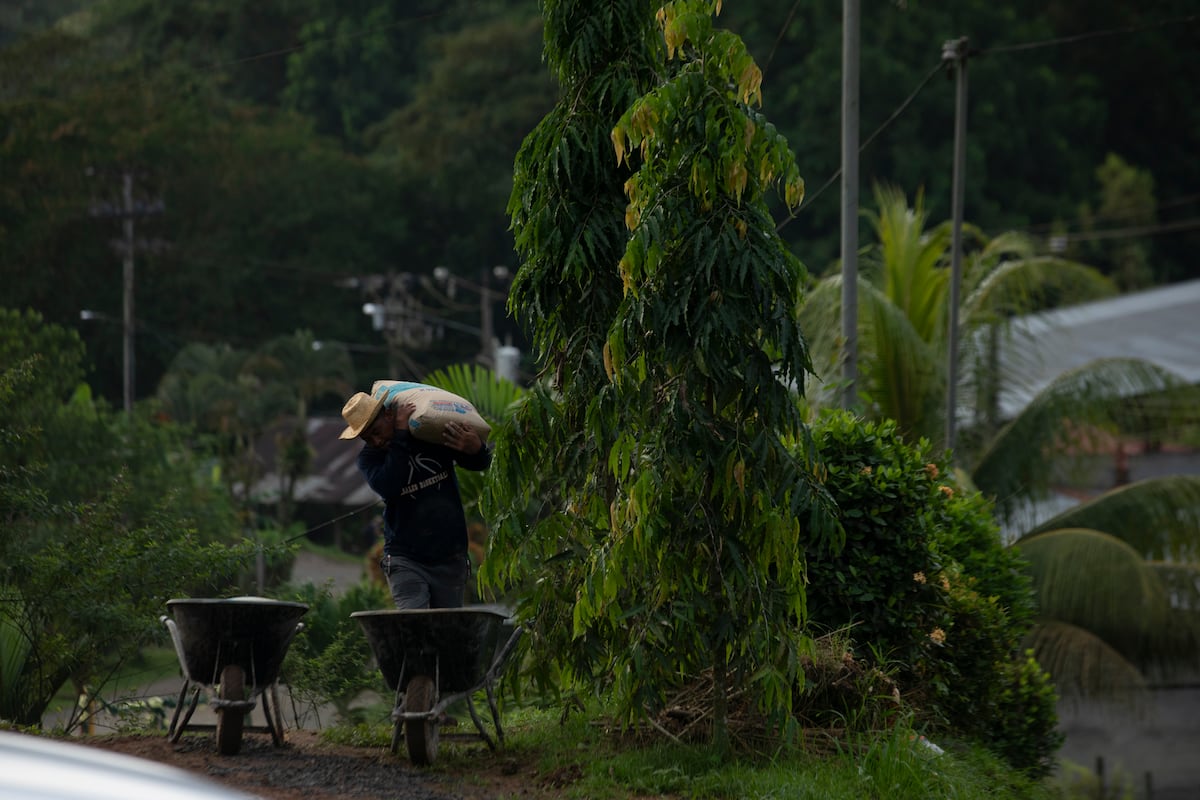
x,y
425,528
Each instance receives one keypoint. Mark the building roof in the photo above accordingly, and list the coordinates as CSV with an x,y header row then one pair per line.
x,y
1160,325
334,480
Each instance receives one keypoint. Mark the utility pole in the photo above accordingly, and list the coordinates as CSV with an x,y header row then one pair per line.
x,y
127,294
955,51
850,80
486,346
126,246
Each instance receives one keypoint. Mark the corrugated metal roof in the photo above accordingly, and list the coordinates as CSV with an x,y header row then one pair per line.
x,y
335,479
1161,326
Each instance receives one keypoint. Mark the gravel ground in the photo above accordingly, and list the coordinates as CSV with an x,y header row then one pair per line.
x,y
308,768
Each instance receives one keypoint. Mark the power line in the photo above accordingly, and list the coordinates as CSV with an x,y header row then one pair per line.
x,y
787,23
1082,37
1182,200
1190,18
338,37
1133,231
900,109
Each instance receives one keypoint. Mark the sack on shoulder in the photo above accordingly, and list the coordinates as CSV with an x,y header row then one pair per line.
x,y
435,408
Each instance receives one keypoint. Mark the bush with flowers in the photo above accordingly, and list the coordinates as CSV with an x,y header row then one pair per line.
x,y
927,588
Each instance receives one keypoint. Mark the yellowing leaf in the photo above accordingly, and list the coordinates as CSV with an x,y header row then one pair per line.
x,y
626,276
739,475
618,140
735,179
675,34
749,83
608,362
794,194
631,221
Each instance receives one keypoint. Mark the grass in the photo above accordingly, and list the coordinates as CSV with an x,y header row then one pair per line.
x,y
585,758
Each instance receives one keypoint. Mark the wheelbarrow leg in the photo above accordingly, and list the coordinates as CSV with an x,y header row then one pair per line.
x,y
176,731
491,697
483,734
397,724
272,713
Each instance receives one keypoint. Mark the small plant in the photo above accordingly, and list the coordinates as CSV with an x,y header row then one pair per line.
x,y
329,661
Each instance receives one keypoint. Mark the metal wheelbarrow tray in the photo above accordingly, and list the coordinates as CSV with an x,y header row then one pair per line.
x,y
236,645
432,658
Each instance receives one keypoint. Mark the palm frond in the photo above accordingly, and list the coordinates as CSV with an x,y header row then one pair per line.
x,y
907,265
1009,286
1094,581
900,374
1014,465
492,396
904,375
1084,668
820,318
495,399
1159,518
1182,582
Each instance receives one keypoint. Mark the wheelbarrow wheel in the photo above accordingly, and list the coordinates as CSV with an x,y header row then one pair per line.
x,y
422,734
230,721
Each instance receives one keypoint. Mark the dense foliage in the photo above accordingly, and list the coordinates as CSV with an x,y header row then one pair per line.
x,y
105,519
300,145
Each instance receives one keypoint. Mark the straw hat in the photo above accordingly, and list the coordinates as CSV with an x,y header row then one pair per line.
x,y
359,412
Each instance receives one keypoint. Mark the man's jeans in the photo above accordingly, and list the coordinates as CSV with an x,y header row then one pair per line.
x,y
417,585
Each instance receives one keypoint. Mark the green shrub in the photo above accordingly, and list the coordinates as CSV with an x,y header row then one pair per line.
x,y
929,591
1023,725
330,660
882,581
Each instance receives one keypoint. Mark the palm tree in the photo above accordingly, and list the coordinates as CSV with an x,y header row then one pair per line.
x,y
1121,545
904,291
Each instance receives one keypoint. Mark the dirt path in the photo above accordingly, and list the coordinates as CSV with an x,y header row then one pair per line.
x,y
317,569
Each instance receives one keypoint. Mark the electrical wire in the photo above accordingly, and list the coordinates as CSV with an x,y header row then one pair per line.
x,y
787,23
337,37
1082,37
1190,18
1133,232
900,109
329,522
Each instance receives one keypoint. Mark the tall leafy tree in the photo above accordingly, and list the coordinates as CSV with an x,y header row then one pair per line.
x,y
684,514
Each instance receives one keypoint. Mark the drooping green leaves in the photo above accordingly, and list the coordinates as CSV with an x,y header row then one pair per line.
x,y
672,515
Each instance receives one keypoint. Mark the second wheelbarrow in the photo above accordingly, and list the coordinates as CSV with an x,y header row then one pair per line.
x,y
432,658
237,646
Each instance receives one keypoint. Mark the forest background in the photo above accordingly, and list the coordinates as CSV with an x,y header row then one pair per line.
x,y
289,161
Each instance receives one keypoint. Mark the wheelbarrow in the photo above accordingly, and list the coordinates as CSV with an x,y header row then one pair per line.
x,y
236,646
432,658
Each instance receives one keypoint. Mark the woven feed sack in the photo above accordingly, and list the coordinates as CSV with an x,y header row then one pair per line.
x,y
435,408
